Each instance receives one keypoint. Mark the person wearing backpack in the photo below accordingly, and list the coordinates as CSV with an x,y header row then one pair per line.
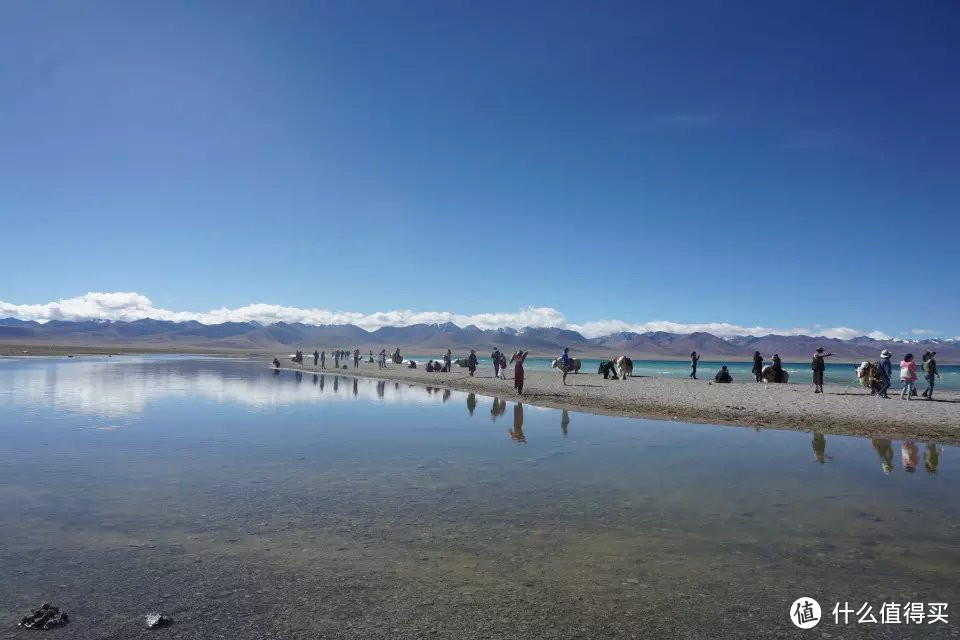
x,y
886,370
495,356
758,366
929,373
819,366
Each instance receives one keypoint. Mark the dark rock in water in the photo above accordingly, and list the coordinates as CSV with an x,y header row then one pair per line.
x,y
46,617
157,620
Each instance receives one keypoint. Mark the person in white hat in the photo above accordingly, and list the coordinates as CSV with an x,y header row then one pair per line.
x,y
886,370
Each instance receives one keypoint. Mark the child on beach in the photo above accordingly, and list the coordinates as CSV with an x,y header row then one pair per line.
x,y
908,375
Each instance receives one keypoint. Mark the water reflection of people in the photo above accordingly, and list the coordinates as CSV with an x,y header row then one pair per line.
x,y
336,383
908,455
498,409
355,381
315,378
446,395
884,449
471,402
564,422
517,432
321,382
819,447
931,457
299,376
381,388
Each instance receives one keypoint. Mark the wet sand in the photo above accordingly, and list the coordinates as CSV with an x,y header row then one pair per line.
x,y
841,410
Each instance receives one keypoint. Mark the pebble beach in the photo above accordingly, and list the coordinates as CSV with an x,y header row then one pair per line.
x,y
840,410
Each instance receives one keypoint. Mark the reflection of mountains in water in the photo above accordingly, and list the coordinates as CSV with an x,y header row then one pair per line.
x,y
118,388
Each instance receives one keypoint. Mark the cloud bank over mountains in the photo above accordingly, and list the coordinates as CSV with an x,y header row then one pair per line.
x,y
130,306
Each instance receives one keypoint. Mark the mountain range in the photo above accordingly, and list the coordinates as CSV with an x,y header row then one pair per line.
x,y
434,338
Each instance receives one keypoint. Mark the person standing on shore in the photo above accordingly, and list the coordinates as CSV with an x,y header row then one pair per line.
x,y
565,364
495,356
447,361
356,358
908,376
323,359
316,357
517,361
503,366
819,366
472,362
929,372
758,366
777,368
886,370
694,358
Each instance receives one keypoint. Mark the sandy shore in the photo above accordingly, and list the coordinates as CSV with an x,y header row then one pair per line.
x,y
840,410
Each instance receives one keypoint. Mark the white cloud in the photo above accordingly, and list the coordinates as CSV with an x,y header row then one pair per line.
x,y
924,332
129,306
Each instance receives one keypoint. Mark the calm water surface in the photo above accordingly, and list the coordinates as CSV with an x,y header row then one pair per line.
x,y
249,504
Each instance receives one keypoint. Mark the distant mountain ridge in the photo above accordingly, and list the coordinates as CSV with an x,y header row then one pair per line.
x,y
432,338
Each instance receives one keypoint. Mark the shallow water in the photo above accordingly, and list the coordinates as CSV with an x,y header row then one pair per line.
x,y
249,504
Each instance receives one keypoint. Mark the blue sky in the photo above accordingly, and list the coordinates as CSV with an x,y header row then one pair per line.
x,y
760,164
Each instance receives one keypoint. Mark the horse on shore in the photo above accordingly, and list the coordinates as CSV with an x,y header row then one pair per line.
x,y
574,365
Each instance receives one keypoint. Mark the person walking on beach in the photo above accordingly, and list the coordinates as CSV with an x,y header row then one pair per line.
x,y
356,358
472,362
777,368
447,361
565,365
694,358
316,357
758,366
886,370
503,366
383,359
323,359
517,361
908,376
495,356
929,373
819,366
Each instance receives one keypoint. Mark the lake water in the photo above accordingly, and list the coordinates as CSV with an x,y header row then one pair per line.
x,y
251,504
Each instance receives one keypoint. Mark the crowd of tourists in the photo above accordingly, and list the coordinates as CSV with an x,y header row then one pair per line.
x,y
878,376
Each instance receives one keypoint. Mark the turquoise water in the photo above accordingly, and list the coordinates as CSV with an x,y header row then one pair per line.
x,y
844,374
248,504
